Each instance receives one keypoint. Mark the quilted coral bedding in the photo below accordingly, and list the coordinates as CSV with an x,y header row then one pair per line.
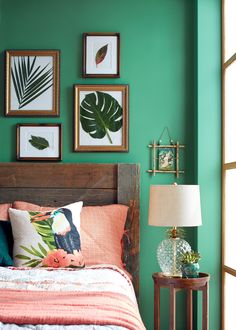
x,y
97,298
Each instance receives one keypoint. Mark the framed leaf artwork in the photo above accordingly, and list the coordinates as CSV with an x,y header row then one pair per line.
x,y
101,118
39,142
101,55
32,83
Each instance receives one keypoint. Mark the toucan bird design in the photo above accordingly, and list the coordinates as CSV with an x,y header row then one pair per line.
x,y
65,233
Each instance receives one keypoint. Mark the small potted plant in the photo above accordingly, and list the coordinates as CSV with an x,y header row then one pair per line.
x,y
189,264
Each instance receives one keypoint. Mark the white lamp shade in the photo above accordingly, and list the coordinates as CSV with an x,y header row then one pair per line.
x,y
175,206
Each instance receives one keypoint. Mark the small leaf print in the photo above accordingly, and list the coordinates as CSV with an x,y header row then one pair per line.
x,y
101,54
39,142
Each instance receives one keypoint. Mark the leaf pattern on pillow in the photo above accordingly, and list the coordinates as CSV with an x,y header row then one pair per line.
x,y
32,262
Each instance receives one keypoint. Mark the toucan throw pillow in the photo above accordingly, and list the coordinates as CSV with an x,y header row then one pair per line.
x,y
48,238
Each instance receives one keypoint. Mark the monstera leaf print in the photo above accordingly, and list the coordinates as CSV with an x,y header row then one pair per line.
x,y
99,114
29,79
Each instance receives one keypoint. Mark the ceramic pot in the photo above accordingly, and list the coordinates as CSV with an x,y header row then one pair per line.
x,y
190,270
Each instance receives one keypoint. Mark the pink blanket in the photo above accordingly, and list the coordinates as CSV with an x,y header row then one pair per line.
x,y
44,307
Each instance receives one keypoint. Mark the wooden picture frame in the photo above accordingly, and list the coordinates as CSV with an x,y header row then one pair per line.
x,y
101,118
101,55
32,83
39,142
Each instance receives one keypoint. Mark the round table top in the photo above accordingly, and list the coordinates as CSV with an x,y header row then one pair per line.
x,y
161,279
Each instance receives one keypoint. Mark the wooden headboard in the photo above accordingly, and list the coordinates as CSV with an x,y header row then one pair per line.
x,y
56,184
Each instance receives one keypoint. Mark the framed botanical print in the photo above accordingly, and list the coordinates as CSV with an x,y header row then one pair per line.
x,y
32,83
101,55
101,118
39,142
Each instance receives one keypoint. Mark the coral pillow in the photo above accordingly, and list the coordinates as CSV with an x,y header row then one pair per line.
x,y
102,228
25,206
4,211
47,238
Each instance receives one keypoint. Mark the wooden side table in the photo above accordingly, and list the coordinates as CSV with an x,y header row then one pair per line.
x,y
175,284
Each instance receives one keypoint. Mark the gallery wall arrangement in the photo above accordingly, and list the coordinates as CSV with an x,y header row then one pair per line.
x,y
100,111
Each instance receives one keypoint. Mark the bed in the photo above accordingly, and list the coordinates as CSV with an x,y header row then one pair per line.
x,y
102,295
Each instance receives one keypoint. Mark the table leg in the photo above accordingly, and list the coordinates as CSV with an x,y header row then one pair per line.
x,y
172,307
156,307
205,307
189,309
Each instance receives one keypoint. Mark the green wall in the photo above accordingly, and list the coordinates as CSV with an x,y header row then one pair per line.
x,y
158,61
209,144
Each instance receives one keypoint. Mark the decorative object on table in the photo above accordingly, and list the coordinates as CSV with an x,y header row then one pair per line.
x,y
101,118
39,142
165,157
174,206
32,83
101,55
189,264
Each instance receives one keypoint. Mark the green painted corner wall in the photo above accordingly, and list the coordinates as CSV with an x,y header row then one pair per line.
x,y
209,145
159,61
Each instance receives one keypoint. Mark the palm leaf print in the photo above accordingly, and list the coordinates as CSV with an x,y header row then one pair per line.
x,y
29,79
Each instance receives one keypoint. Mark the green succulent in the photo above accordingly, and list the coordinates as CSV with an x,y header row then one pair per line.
x,y
190,257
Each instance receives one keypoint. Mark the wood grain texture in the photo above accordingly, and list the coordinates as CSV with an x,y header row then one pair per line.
x,y
189,309
54,184
54,175
172,307
59,197
128,191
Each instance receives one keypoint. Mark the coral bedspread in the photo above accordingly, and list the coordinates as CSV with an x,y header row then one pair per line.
x,y
96,295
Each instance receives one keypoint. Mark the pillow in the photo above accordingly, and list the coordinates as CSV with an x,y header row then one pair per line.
x,y
5,227
5,259
4,211
47,238
102,228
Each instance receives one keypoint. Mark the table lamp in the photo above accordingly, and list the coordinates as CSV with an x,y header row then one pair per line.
x,y
174,206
